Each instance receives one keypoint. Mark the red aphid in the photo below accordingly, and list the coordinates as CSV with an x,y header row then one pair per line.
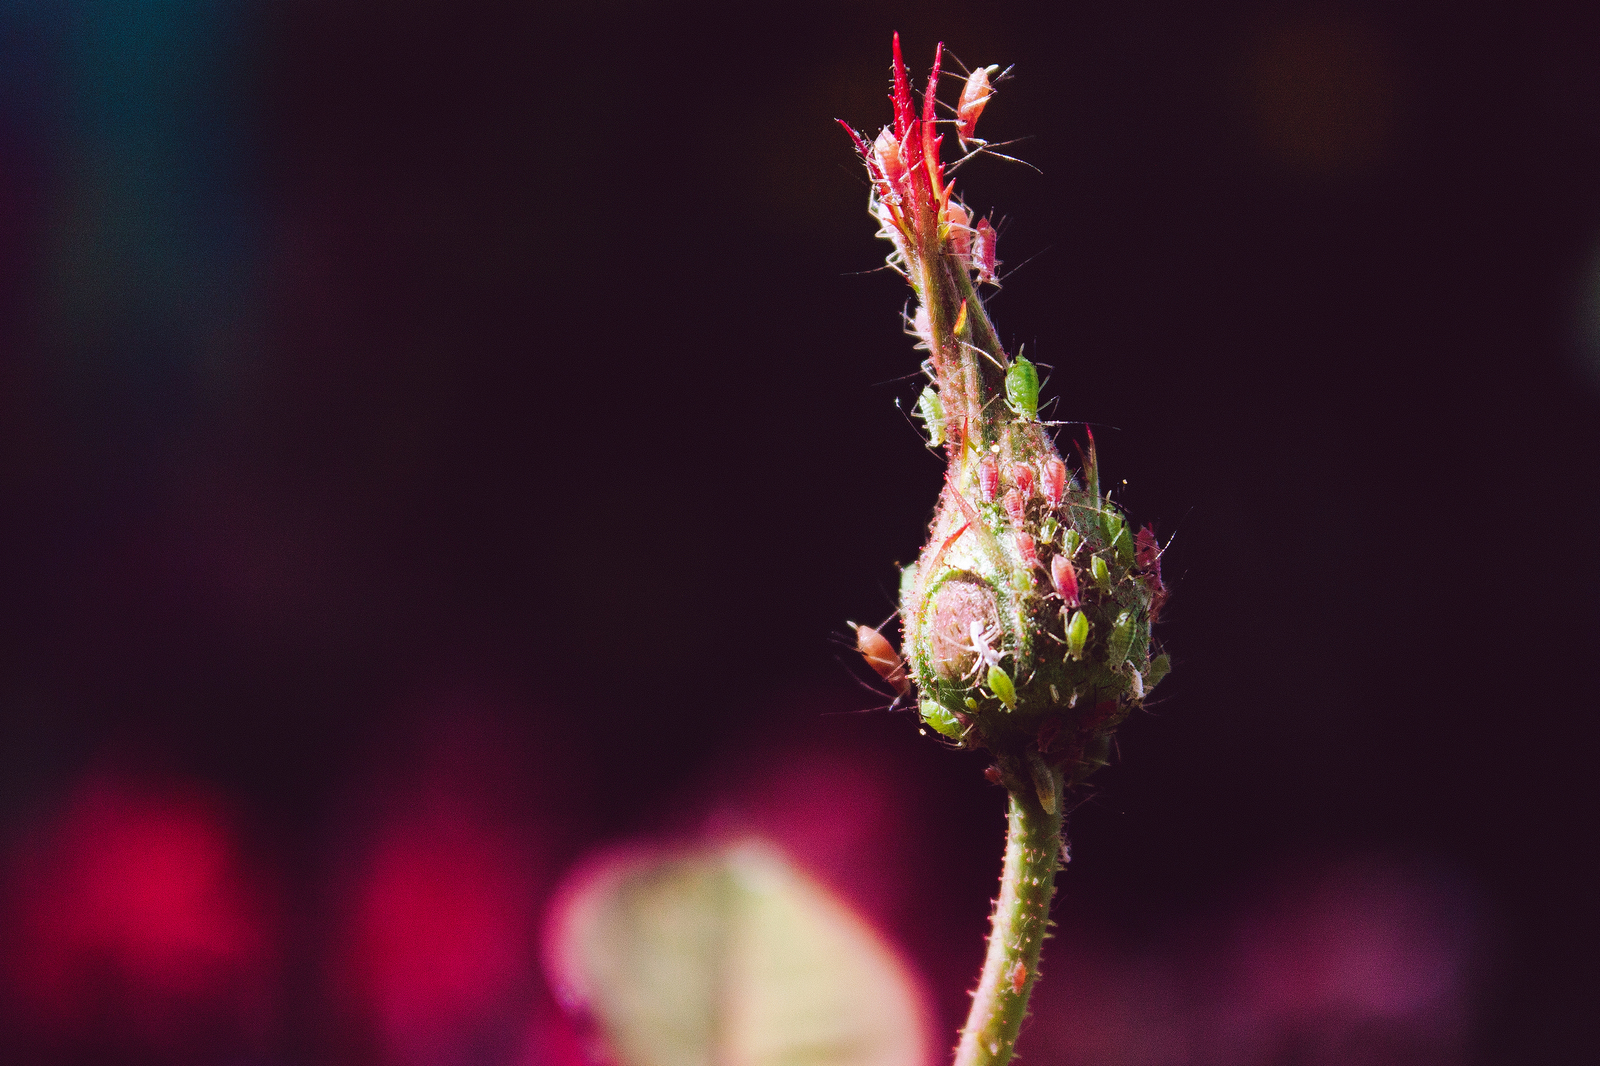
x,y
1022,477
1055,480
1147,551
882,657
1015,507
988,478
974,96
1065,579
1027,550
960,230
1019,976
886,150
983,252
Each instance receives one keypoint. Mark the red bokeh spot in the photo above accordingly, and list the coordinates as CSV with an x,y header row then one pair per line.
x,y
441,936
133,911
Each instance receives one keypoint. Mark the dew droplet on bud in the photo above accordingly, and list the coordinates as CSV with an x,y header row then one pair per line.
x,y
1022,478
881,656
1055,480
1065,579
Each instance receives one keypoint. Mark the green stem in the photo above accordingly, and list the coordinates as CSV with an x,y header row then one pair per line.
x,y
1021,923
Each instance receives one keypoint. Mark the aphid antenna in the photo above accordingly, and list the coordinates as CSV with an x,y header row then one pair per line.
x,y
1007,275
983,352
982,147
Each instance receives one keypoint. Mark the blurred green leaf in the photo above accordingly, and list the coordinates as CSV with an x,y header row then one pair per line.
x,y
728,956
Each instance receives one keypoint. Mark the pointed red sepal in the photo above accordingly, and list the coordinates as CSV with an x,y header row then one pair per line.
x,y
904,115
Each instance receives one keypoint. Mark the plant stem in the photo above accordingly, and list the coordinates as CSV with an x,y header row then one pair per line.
x,y
1020,924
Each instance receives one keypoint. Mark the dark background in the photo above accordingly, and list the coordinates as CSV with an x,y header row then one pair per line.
x,y
382,375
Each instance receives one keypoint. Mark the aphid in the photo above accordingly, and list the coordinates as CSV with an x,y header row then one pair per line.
x,y
1044,783
1022,388
1065,579
1048,529
890,159
1077,637
974,96
931,410
922,327
982,646
1000,684
1072,540
1102,573
940,719
1019,972
1121,637
1027,550
983,253
1136,683
1055,480
1147,550
1014,506
1159,666
988,478
882,657
960,225
1022,478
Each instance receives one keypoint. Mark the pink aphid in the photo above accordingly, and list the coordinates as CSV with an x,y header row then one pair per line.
x,y
890,160
1022,477
1065,579
1015,506
974,97
922,326
960,229
983,252
1055,480
1027,550
988,478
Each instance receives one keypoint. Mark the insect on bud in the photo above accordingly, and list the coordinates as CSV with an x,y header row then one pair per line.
x,y
1015,508
1102,573
1121,637
1000,684
882,657
1022,388
931,411
960,230
887,151
983,252
1055,480
988,478
1065,579
1027,550
974,97
1077,634
922,326
1022,478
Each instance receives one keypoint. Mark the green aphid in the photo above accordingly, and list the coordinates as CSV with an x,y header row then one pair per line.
x,y
1072,542
1102,573
1000,684
1077,634
931,411
1159,668
1111,525
1022,388
1121,637
940,720
1048,530
971,703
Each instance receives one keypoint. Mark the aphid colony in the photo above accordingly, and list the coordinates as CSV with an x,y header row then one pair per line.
x,y
1027,615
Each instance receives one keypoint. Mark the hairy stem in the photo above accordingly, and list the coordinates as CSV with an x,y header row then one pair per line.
x,y
1021,922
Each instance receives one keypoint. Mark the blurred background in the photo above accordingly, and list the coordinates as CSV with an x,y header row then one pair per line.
x,y
443,439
